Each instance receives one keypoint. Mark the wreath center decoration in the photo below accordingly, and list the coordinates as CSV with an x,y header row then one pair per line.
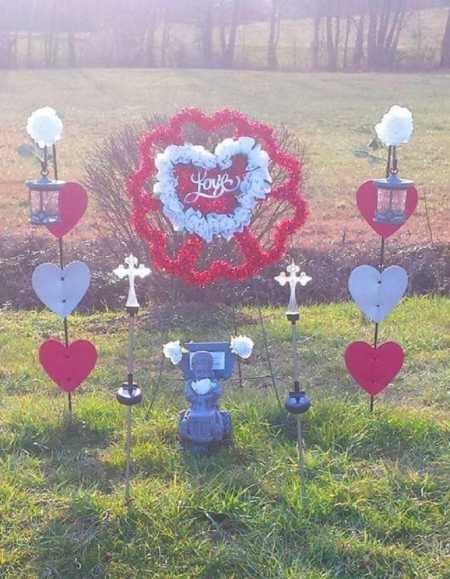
x,y
212,194
186,197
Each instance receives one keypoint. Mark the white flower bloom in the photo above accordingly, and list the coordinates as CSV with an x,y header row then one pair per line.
x,y
396,126
246,144
44,127
242,346
172,351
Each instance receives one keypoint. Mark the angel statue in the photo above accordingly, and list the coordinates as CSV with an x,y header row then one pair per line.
x,y
204,426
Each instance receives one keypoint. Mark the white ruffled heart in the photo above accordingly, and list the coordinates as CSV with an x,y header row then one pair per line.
x,y
254,186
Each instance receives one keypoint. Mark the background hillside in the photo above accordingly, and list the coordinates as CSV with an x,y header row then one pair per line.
x,y
274,34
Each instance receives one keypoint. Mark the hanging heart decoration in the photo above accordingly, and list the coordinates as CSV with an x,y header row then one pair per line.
x,y
366,199
377,293
208,195
68,366
374,368
61,290
73,201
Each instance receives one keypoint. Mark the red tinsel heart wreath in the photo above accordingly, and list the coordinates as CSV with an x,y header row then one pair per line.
x,y
184,262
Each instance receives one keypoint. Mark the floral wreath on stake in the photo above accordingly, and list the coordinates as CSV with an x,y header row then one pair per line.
x,y
206,195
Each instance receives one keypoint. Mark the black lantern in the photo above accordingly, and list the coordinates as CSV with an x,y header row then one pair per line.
x,y
44,200
391,199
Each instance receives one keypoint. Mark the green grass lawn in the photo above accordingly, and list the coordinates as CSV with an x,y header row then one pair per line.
x,y
332,113
377,485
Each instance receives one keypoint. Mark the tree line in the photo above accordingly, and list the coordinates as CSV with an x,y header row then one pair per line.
x,y
340,34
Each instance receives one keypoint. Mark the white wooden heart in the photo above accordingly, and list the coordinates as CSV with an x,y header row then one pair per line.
x,y
377,293
61,290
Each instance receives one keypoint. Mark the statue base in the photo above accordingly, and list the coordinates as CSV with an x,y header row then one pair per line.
x,y
203,434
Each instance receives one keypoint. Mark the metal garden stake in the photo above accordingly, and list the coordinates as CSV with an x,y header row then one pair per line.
x,y
44,210
129,393
390,210
385,204
298,402
58,206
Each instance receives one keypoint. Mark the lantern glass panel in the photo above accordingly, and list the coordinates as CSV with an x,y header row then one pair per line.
x,y
44,207
391,206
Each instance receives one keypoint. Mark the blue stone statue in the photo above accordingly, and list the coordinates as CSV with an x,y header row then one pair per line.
x,y
204,426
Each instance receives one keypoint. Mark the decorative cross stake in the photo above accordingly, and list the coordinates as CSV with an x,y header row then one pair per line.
x,y
132,271
129,393
293,279
298,402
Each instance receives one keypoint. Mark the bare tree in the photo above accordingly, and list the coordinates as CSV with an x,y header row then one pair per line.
x,y
274,34
165,36
207,27
358,52
231,44
386,20
318,10
348,26
445,49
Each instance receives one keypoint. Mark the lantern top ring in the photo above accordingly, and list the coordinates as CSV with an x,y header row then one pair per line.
x,y
393,182
44,184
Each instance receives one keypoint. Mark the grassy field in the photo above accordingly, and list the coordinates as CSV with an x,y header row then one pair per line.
x,y
377,489
332,113
377,485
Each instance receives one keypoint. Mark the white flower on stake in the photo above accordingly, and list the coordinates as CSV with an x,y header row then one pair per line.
x,y
173,351
242,346
396,126
45,127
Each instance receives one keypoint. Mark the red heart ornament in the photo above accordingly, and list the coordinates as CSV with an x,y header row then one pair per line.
x,y
374,368
366,199
68,366
73,203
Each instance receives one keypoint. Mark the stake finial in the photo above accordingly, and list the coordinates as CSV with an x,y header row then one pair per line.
x,y
132,272
293,279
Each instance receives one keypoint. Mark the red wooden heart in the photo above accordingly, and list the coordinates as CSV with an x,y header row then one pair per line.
x,y
72,205
374,368
366,199
68,366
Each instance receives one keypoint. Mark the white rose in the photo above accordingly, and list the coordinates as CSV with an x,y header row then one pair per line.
x,y
44,127
242,346
172,351
396,126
